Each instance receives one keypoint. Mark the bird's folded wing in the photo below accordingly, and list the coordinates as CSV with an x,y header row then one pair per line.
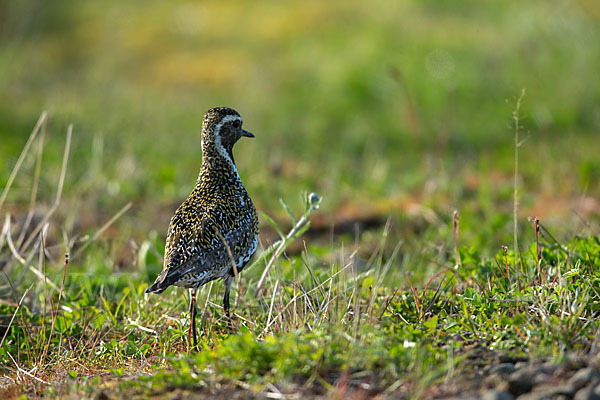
x,y
194,246
187,239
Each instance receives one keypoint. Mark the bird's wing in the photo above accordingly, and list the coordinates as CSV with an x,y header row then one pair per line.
x,y
194,245
188,237
187,246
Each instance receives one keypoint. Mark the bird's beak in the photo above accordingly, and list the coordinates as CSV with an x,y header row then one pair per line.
x,y
246,133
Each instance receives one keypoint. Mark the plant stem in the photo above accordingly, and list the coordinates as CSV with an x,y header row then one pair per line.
x,y
516,118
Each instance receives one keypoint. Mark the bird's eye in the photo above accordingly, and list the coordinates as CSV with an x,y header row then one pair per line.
x,y
237,124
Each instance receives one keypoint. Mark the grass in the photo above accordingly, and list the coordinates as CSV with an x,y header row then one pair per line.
x,y
430,243
319,319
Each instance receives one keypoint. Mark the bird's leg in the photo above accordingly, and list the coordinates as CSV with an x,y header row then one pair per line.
x,y
228,282
192,319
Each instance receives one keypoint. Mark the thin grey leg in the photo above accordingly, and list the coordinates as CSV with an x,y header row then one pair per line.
x,y
228,282
192,319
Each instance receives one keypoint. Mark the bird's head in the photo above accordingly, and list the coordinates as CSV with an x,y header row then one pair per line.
x,y
222,128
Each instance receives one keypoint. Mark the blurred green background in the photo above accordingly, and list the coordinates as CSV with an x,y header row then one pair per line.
x,y
385,108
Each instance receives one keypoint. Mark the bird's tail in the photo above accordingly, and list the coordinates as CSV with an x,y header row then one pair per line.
x,y
157,287
167,278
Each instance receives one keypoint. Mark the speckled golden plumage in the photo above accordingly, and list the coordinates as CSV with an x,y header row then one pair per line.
x,y
217,225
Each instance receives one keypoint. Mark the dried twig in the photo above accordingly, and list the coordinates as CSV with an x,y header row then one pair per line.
x,y
34,188
104,227
59,189
229,253
29,374
32,136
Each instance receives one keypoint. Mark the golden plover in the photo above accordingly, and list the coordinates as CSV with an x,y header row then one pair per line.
x,y
214,232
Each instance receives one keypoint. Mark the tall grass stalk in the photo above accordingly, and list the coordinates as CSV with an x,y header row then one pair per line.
x,y
517,118
41,122
455,228
59,189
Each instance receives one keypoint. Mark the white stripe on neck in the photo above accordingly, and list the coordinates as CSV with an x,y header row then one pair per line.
x,y
219,145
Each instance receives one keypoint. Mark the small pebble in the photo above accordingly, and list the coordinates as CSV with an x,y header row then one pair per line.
x,y
505,368
493,381
583,377
587,393
541,378
550,366
543,369
551,392
520,382
560,390
496,395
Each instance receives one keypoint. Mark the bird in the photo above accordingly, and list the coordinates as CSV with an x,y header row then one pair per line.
x,y
214,232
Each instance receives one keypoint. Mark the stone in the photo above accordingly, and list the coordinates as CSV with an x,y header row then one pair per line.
x,y
587,393
520,382
541,378
583,377
504,368
551,392
496,395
